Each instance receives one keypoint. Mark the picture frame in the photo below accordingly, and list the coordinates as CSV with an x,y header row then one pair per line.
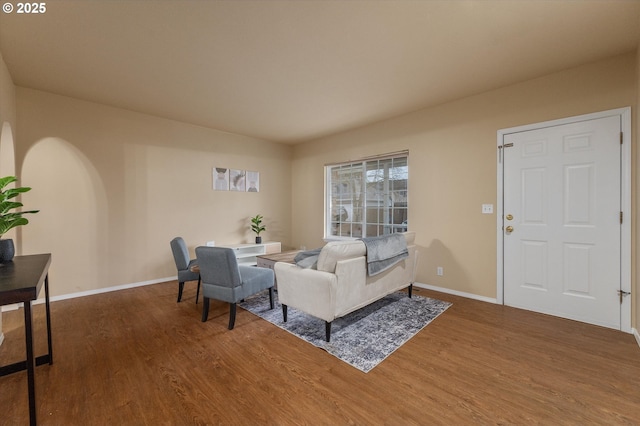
x,y
237,180
252,181
220,178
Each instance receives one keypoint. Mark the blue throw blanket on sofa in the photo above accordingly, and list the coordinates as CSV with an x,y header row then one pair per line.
x,y
385,251
308,259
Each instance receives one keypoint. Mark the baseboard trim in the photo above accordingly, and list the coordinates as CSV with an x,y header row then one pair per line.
x,y
92,292
636,334
457,293
1,338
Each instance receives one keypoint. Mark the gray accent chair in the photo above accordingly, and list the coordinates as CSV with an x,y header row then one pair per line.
x,y
223,279
184,265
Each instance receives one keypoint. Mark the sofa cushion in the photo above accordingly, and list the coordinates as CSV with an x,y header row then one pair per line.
x,y
410,237
334,251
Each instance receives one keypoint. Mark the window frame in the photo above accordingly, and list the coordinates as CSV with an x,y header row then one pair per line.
x,y
363,188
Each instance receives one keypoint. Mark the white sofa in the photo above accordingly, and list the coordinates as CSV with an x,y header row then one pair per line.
x,y
340,284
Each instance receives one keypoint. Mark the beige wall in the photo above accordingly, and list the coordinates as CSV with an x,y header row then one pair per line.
x,y
7,124
7,95
114,187
7,131
453,165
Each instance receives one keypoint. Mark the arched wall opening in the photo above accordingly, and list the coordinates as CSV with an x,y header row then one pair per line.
x,y
72,222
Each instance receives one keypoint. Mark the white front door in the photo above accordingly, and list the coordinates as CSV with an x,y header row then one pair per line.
x,y
562,220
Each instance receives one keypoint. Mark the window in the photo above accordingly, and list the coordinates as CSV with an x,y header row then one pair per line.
x,y
367,198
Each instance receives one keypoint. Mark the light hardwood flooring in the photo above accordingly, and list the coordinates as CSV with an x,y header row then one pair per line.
x,y
136,357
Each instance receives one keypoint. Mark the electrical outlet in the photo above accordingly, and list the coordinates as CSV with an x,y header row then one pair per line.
x,y
487,208
440,271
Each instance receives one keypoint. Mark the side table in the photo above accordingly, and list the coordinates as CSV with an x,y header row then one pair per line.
x,y
20,282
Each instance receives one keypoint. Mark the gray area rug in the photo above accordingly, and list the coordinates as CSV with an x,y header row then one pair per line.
x,y
363,338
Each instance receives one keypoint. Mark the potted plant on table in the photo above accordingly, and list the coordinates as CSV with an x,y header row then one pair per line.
x,y
257,227
10,219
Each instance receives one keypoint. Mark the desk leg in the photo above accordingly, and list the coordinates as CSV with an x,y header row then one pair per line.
x,y
31,362
46,300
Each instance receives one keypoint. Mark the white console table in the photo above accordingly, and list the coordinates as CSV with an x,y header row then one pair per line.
x,y
247,253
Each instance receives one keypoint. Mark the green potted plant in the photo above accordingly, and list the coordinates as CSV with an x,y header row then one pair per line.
x,y
10,219
257,227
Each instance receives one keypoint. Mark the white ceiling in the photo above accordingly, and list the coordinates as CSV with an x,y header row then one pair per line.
x,y
292,71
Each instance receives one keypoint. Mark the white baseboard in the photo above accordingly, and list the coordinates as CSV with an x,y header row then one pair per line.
x,y
1,338
636,335
92,292
456,293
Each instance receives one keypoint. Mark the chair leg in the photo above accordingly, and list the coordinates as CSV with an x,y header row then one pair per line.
x,y
271,297
284,312
410,290
232,315
198,291
205,308
327,329
180,288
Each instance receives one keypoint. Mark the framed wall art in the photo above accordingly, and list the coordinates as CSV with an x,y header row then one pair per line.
x,y
220,178
237,180
253,181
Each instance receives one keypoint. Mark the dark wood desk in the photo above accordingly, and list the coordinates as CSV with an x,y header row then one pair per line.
x,y
21,281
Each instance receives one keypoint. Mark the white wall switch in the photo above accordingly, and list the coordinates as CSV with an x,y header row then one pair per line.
x,y
440,271
487,208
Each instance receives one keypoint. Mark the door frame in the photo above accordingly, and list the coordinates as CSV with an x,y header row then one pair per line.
x,y
625,193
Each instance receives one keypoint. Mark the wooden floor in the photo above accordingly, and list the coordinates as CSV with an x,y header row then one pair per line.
x,y
136,357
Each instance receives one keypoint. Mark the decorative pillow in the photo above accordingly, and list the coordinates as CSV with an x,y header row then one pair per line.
x,y
307,259
410,236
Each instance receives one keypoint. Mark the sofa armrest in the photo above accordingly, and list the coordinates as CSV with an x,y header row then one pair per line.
x,y
308,290
352,276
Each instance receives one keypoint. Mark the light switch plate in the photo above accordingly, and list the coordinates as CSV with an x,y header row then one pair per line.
x,y
487,208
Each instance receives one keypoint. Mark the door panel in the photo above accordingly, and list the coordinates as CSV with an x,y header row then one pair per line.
x,y
562,192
